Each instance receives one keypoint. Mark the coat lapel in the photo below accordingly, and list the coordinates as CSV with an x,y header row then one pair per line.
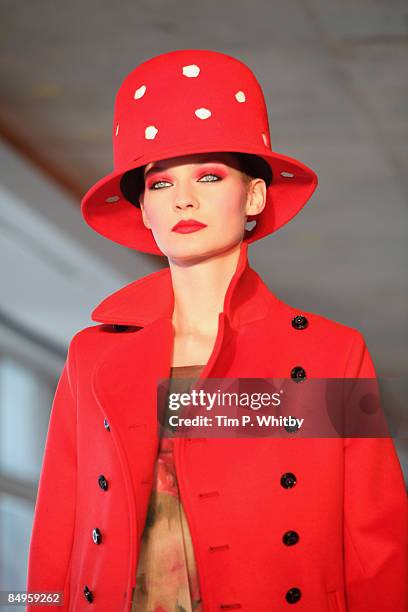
x,y
124,381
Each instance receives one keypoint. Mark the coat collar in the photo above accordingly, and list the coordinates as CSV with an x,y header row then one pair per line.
x,y
148,299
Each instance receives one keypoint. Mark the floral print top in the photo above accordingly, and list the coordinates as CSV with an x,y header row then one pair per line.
x,y
167,579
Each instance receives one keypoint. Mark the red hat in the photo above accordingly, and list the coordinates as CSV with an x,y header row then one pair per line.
x,y
185,102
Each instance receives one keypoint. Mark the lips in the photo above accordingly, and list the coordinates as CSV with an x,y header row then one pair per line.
x,y
187,226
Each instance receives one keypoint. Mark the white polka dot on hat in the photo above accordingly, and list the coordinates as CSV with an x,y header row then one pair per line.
x,y
202,113
191,71
140,92
150,132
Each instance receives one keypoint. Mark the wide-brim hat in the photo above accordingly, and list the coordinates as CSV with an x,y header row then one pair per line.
x,y
186,102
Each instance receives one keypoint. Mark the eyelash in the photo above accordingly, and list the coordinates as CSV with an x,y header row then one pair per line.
x,y
152,186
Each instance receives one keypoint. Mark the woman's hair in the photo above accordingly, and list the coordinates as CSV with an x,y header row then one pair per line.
x,y
132,182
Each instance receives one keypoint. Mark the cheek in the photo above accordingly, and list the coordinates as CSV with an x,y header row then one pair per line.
x,y
155,213
230,203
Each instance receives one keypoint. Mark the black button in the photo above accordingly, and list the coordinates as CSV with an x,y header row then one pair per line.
x,y
120,328
106,424
298,374
96,536
300,322
293,595
88,594
290,538
292,428
103,483
288,480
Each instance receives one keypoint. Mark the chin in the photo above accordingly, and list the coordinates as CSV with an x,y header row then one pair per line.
x,y
198,249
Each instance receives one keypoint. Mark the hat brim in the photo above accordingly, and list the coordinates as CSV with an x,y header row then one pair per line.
x,y
109,213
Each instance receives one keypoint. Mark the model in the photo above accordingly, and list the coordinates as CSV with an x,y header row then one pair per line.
x,y
129,520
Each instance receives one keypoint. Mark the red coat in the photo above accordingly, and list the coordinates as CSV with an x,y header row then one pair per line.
x,y
349,505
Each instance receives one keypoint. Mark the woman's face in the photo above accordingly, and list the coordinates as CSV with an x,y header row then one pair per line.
x,y
208,188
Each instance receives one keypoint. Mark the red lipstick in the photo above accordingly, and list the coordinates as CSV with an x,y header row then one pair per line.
x,y
187,226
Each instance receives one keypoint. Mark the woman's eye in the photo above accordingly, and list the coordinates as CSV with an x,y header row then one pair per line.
x,y
154,185
212,176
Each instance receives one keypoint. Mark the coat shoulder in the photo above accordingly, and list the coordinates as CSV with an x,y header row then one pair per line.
x,y
93,337
326,347
319,325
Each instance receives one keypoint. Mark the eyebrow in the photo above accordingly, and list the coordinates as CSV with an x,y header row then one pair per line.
x,y
157,167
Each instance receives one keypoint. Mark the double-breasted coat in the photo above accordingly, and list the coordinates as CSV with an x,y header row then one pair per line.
x,y
318,524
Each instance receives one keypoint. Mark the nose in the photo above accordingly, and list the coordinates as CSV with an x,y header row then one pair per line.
x,y
184,198
181,205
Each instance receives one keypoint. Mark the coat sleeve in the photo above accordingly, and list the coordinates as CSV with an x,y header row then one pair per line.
x,y
375,514
54,515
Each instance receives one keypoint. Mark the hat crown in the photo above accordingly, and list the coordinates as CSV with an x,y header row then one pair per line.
x,y
188,98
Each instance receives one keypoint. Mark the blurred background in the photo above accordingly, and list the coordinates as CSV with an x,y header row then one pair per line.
x,y
335,83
